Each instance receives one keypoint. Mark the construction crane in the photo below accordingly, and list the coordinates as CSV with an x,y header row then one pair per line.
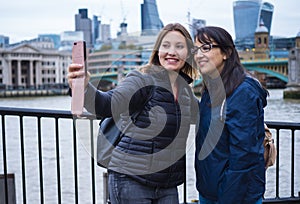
x,y
123,11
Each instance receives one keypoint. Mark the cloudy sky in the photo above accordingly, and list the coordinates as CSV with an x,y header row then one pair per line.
x,y
23,20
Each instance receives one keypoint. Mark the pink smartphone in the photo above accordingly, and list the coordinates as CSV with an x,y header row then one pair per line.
x,y
78,57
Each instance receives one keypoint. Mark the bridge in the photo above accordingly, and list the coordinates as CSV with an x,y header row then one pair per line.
x,y
275,68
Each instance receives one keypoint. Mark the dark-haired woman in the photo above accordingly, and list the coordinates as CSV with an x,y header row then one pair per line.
x,y
229,162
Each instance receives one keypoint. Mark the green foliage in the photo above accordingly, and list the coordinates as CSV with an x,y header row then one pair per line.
x,y
123,46
105,47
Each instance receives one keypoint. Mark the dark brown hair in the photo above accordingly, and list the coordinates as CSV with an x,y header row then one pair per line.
x,y
233,72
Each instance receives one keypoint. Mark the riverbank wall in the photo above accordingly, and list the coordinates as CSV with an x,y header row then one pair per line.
x,y
32,92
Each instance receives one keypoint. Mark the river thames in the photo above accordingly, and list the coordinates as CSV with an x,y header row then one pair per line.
x,y
278,109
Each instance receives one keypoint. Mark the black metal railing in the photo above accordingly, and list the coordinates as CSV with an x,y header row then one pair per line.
x,y
290,130
18,125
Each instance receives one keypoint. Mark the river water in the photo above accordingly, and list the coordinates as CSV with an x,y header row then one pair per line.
x,y
278,109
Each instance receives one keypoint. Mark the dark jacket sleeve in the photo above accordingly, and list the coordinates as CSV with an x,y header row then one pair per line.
x,y
244,122
97,102
115,101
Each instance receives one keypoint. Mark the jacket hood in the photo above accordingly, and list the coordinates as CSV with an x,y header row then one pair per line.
x,y
263,93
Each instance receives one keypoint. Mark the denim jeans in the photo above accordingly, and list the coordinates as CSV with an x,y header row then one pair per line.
x,y
203,200
125,190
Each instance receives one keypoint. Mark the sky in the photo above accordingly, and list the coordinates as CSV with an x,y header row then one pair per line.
x,y
25,20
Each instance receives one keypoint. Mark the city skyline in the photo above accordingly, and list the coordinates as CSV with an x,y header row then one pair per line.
x,y
57,19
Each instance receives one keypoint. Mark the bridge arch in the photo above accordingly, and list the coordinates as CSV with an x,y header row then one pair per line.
x,y
269,72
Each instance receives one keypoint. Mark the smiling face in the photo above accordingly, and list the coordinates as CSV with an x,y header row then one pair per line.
x,y
210,62
173,51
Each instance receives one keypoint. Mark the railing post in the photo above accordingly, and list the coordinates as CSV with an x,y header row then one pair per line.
x,y
106,199
7,192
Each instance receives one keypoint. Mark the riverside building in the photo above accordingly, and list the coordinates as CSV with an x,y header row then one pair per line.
x,y
33,65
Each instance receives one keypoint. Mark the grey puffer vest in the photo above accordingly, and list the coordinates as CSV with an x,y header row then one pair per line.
x,y
152,151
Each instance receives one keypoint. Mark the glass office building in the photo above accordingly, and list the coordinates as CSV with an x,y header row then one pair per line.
x,y
266,14
54,38
151,23
4,41
84,24
247,16
96,29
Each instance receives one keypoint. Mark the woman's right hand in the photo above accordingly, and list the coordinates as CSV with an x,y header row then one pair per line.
x,y
76,71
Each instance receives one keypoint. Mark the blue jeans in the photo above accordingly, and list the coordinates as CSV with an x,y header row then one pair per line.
x,y
125,190
203,200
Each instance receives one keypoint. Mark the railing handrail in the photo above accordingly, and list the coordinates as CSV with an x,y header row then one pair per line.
x,y
68,114
283,125
35,112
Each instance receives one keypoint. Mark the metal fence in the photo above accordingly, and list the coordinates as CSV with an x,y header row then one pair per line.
x,y
44,165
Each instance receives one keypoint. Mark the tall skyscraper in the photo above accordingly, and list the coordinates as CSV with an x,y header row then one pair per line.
x,y
105,35
247,16
96,29
84,24
151,23
266,14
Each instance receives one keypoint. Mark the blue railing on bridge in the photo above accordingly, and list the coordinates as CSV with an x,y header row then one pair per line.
x,y
251,65
43,160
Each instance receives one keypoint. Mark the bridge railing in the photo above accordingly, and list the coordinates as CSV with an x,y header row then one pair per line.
x,y
48,156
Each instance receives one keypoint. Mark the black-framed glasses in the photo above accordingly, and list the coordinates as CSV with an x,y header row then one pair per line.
x,y
204,48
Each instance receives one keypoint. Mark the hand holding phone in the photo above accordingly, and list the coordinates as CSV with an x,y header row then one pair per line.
x,y
78,57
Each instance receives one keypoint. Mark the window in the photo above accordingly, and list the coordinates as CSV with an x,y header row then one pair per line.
x,y
259,40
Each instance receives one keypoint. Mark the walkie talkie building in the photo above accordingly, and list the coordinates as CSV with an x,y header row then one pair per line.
x,y
247,16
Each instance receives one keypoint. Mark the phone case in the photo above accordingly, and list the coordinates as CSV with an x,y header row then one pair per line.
x,y
78,57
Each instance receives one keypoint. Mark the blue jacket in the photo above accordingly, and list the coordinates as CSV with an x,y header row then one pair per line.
x,y
152,151
233,172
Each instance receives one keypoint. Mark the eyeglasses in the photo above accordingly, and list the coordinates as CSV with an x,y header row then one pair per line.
x,y
204,48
